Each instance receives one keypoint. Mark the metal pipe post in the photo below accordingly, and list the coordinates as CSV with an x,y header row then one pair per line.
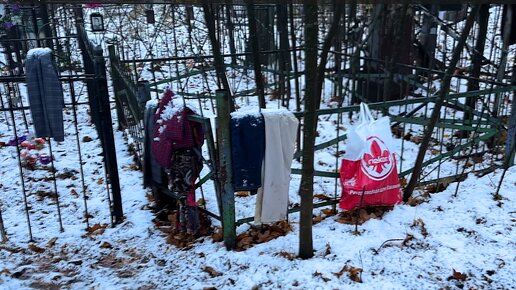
x,y
225,171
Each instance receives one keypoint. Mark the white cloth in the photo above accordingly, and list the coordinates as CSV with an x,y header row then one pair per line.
x,y
280,139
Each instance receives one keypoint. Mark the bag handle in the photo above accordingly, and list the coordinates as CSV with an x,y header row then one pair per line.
x,y
365,115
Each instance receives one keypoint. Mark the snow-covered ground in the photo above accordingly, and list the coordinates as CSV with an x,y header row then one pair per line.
x,y
446,242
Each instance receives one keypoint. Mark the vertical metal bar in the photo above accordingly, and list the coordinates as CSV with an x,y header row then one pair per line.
x,y
114,61
225,171
337,158
474,135
35,24
81,169
11,110
107,132
55,185
212,151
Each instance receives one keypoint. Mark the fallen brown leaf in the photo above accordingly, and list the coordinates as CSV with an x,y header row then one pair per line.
x,y
420,223
213,273
51,242
242,193
327,251
407,239
106,245
322,196
262,234
317,274
414,201
329,211
97,229
218,236
317,219
74,193
245,243
355,274
436,187
287,255
36,249
458,276
403,182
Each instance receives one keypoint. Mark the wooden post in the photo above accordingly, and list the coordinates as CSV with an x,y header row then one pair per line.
x,y
225,171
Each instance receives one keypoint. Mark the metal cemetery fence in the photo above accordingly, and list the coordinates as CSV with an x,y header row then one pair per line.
x,y
469,137
67,174
172,48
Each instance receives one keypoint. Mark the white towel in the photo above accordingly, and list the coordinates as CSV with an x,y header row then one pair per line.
x,y
280,139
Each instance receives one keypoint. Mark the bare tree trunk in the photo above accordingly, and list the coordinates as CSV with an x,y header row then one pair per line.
x,y
294,54
296,70
215,44
255,46
328,41
445,88
284,58
231,32
310,124
476,60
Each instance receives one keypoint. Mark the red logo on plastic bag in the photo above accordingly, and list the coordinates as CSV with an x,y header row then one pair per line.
x,y
377,162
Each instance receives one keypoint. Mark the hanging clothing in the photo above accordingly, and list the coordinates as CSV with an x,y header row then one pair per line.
x,y
247,150
152,171
176,146
185,167
280,139
45,93
173,130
